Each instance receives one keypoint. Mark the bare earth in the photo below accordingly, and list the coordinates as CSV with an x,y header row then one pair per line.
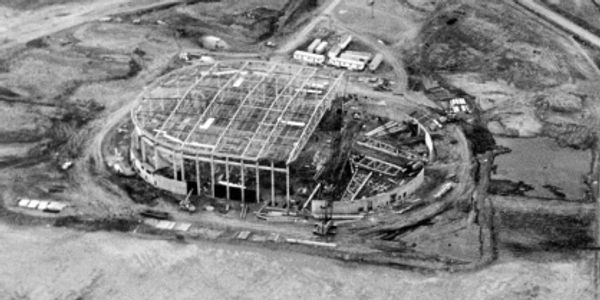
x,y
76,265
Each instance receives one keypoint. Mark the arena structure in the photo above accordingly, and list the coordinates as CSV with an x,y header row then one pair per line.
x,y
230,129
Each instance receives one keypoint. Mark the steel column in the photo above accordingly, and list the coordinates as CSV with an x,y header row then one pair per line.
x,y
257,183
182,168
198,186
227,177
174,166
272,184
212,176
243,184
287,191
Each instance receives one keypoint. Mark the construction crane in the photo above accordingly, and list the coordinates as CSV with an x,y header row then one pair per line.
x,y
326,227
186,204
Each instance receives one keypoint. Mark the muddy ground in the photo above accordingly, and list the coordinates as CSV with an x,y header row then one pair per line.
x,y
533,89
57,91
552,171
526,80
121,266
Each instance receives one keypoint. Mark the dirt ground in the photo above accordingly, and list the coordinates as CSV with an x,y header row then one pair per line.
x,y
539,162
119,266
77,80
585,13
527,81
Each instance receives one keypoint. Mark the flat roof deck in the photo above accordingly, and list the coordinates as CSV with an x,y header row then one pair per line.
x,y
249,110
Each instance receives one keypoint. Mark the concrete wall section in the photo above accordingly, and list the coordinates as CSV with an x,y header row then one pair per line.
x,y
161,182
428,143
380,200
399,193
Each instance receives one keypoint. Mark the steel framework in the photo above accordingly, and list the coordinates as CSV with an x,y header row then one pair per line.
x,y
232,115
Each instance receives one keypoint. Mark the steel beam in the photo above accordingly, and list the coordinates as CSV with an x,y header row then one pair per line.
x,y
298,90
271,109
214,99
239,109
305,135
198,80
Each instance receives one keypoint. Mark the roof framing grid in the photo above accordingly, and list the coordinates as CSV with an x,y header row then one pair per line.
x,y
182,98
208,108
269,109
314,120
270,138
270,114
242,104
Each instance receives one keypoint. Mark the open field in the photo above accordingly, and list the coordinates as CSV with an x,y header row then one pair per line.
x,y
540,161
120,266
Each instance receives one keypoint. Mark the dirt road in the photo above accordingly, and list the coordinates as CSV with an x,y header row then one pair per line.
x,y
17,27
561,21
388,56
299,37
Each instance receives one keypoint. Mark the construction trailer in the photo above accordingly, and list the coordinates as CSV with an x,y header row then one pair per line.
x,y
376,62
311,48
310,58
350,64
357,55
459,105
334,51
321,47
229,130
345,41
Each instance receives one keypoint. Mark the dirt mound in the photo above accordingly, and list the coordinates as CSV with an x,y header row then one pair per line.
x,y
570,135
237,22
563,102
487,38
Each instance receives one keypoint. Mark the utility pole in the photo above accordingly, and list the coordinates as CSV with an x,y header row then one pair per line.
x,y
371,3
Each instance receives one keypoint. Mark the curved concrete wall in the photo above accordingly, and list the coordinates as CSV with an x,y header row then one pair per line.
x,y
384,199
161,182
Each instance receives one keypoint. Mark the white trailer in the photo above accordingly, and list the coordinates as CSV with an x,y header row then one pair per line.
x,y
377,60
346,40
357,55
311,48
321,48
350,64
334,51
308,57
445,188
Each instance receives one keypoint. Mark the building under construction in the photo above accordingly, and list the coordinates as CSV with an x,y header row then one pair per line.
x,y
230,129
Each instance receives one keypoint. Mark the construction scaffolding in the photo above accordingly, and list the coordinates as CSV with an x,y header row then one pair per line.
x,y
234,118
